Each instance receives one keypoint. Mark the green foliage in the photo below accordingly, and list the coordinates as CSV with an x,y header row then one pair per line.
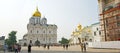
x,y
11,38
64,41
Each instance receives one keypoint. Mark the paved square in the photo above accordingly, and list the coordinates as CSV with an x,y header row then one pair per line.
x,y
71,49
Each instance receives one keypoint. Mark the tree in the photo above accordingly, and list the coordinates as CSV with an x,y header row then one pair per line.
x,y
64,41
11,38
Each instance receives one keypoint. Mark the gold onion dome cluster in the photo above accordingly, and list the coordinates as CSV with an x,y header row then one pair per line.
x,y
79,27
37,13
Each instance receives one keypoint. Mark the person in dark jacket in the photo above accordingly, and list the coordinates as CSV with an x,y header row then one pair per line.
x,y
29,48
19,48
44,46
84,44
66,46
48,46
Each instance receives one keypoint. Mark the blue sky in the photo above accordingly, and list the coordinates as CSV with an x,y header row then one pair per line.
x,y
66,14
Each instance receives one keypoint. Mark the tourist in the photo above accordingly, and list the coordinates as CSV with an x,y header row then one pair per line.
x,y
19,48
66,46
48,46
44,46
84,45
5,47
29,48
16,48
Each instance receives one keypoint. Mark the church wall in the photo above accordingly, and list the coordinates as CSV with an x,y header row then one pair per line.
x,y
38,29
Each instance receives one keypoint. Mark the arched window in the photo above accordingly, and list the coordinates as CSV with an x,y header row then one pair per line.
x,y
30,41
44,31
49,31
108,1
37,43
31,31
99,32
90,40
37,31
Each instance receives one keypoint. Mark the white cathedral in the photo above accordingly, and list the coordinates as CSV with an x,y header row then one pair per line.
x,y
39,32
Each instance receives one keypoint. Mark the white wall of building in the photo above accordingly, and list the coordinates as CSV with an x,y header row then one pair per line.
x,y
38,29
2,40
96,32
109,44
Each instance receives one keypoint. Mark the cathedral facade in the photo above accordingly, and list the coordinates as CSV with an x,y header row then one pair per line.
x,y
39,32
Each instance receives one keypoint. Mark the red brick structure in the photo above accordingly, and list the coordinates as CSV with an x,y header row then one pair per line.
x,y
109,11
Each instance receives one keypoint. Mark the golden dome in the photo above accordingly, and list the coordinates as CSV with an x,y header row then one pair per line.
x,y
79,27
37,13
89,30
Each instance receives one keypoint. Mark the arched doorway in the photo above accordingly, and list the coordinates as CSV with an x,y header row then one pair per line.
x,y
25,44
37,43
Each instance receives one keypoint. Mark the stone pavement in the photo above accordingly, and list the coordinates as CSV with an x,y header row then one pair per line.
x,y
71,49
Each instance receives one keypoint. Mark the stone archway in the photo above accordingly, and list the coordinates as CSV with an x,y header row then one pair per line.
x,y
25,44
37,43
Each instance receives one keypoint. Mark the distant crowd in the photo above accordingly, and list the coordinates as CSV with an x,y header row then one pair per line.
x,y
16,48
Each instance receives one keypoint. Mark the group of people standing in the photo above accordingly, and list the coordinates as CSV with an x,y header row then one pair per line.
x,y
65,46
83,47
48,46
30,45
83,44
15,47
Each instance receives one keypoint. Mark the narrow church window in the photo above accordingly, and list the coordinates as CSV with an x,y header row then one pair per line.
x,y
37,31
94,33
118,23
97,29
90,40
43,39
99,32
31,31
49,31
43,31
117,17
30,41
